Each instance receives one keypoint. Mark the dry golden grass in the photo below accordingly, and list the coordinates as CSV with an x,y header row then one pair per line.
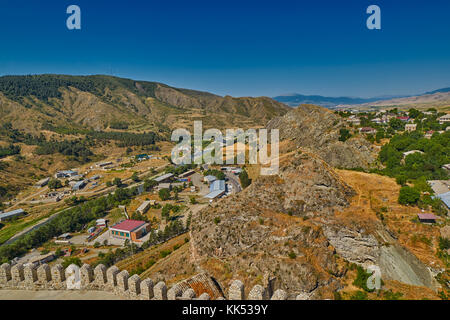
x,y
377,193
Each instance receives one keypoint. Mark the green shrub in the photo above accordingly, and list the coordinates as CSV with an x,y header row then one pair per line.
x,y
359,295
408,196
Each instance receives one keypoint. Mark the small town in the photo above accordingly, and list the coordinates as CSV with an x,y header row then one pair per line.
x,y
229,159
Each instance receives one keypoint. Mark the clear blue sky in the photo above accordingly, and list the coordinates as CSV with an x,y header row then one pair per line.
x,y
236,47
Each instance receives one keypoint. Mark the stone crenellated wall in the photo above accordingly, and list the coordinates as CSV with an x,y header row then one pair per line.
x,y
44,277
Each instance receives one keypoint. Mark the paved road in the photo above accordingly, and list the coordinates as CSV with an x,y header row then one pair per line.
x,y
38,225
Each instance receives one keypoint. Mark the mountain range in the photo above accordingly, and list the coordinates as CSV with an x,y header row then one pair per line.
x,y
103,102
439,96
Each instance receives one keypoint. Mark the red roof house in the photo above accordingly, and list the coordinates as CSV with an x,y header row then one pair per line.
x,y
130,229
427,217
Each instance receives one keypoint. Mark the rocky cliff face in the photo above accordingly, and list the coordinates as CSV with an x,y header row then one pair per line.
x,y
290,228
317,129
260,230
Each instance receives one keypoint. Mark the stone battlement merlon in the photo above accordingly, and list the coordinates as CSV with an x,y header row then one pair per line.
x,y
44,277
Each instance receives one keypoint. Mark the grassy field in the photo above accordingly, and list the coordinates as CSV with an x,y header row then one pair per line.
x,y
12,228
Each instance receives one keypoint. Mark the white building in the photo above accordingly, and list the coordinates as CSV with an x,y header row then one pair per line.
x,y
444,119
143,208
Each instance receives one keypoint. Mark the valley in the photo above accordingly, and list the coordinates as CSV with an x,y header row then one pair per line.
x,y
87,176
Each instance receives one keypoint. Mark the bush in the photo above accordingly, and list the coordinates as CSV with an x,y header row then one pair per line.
x,y
54,184
164,253
359,295
245,181
444,243
164,194
408,196
344,135
361,279
71,260
390,295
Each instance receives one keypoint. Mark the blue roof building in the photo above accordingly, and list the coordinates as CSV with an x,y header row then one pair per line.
x,y
209,179
11,214
217,188
445,197
79,185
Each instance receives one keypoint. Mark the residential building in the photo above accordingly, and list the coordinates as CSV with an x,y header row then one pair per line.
x,y
445,197
377,120
367,130
142,157
439,186
66,174
104,164
209,179
101,222
407,153
65,236
410,127
186,174
444,119
143,208
216,189
354,120
164,186
79,185
132,230
164,178
429,134
427,217
11,214
42,183
404,119
42,259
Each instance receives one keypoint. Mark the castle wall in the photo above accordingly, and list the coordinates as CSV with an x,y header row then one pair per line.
x,y
44,277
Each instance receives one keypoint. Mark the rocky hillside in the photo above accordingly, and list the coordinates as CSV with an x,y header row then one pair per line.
x,y
317,129
99,102
265,230
298,231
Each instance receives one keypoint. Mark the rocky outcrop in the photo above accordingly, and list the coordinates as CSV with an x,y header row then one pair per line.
x,y
379,249
317,129
259,231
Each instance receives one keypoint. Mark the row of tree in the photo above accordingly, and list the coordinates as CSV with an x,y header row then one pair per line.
x,y
9,151
72,220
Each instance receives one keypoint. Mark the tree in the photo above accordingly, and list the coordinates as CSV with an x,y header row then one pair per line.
x,y
414,113
149,184
408,196
164,194
401,180
245,181
117,182
71,260
54,184
344,135
396,124
135,177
